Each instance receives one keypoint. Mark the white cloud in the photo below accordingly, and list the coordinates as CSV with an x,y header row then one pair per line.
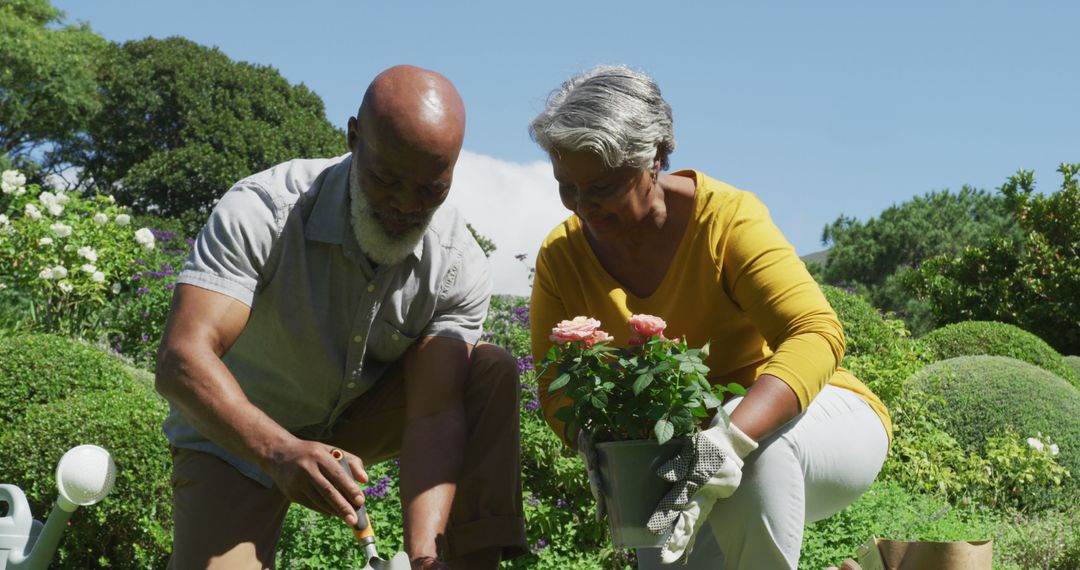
x,y
515,205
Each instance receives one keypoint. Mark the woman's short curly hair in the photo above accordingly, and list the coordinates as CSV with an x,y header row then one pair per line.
x,y
612,110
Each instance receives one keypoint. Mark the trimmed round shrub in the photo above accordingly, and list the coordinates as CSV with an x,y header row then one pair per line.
x,y
132,526
972,338
41,368
983,395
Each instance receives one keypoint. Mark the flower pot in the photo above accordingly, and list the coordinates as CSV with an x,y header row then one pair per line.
x,y
632,489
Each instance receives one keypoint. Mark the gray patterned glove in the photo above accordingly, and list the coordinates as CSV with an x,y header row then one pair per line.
x,y
708,468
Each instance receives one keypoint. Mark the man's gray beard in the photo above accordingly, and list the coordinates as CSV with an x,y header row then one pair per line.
x,y
377,244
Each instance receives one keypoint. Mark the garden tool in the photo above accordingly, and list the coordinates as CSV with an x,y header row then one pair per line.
x,y
84,476
365,533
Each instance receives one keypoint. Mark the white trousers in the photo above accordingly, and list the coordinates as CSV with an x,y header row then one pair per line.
x,y
810,469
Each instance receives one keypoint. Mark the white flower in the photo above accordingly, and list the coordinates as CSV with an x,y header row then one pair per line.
x,y
88,253
115,287
3,220
56,210
61,230
7,188
88,268
3,286
62,197
145,238
59,272
20,191
13,177
123,219
32,212
1053,449
44,241
1035,444
98,277
46,273
47,198
111,199
101,219
65,286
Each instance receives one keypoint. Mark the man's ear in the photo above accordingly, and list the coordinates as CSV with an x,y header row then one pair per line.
x,y
353,134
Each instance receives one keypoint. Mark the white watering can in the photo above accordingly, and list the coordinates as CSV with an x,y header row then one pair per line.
x,y
84,475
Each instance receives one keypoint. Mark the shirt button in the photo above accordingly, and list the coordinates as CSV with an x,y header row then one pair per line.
x,y
395,336
371,288
351,384
358,339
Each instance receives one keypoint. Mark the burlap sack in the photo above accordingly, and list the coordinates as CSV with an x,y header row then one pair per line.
x,y
881,554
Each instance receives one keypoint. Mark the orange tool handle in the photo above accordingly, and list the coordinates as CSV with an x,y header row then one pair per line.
x,y
363,528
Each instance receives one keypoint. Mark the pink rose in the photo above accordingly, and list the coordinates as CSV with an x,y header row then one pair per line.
x,y
578,329
647,325
598,336
637,340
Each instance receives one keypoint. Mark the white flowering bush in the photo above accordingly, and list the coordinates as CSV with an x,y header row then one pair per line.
x,y
64,255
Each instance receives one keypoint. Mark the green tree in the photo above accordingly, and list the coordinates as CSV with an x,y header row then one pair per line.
x,y
873,257
180,123
47,81
1032,281
483,241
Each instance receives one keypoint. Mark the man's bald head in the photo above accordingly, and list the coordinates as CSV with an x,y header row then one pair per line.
x,y
414,107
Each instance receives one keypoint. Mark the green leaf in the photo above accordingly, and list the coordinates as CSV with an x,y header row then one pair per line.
x,y
642,382
736,389
565,414
664,431
559,382
711,401
599,400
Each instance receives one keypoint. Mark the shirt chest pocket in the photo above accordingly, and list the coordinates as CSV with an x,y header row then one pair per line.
x,y
387,342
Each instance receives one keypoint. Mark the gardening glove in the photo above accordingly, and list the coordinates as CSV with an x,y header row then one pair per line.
x,y
708,468
588,456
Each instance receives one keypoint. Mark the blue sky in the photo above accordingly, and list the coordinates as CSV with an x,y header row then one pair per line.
x,y
819,108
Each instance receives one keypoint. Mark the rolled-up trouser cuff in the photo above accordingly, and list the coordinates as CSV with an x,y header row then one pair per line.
x,y
493,532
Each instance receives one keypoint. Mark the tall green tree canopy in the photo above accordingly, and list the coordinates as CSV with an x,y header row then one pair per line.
x,y
47,79
873,256
1032,280
180,123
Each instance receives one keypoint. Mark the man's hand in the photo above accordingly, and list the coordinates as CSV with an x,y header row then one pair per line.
x,y
428,563
709,468
307,473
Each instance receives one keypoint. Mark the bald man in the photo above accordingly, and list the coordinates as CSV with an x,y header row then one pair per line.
x,y
338,304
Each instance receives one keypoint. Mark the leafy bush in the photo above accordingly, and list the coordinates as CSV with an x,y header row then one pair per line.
x,y
1032,279
879,349
887,510
40,368
1050,540
1074,363
131,528
972,338
78,266
983,396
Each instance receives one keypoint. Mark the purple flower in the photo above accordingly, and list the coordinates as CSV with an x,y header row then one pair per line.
x,y
525,364
538,546
170,286
145,338
520,316
379,489
533,405
533,501
561,503
142,291
163,235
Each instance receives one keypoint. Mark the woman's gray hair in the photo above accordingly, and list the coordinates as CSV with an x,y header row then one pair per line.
x,y
612,110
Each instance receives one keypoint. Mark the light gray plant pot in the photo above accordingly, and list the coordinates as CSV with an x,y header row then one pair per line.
x,y
631,487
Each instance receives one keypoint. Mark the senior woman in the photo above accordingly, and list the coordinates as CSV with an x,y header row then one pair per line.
x,y
808,438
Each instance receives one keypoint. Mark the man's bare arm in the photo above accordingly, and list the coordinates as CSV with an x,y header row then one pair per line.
x,y
202,326
433,444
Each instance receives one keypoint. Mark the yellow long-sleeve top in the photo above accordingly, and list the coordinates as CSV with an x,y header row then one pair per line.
x,y
735,282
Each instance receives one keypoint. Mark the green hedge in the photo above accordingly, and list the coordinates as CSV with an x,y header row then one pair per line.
x,y
1074,363
40,368
130,528
972,338
983,395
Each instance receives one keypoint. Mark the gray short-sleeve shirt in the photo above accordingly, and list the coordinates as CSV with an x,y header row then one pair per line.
x,y
325,324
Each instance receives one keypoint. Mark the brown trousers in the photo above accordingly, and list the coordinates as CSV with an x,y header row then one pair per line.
x,y
223,519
